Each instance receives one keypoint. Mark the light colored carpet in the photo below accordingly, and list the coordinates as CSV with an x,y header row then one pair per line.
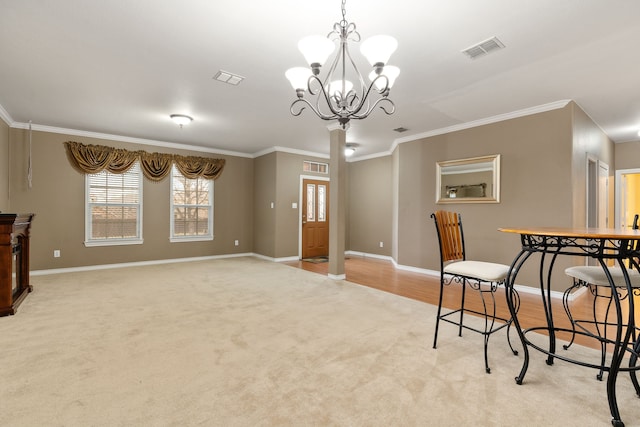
x,y
245,342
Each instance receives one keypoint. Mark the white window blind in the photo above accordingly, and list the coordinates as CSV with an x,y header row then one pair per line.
x,y
114,208
191,208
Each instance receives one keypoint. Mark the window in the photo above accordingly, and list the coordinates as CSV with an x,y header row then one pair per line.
x,y
316,203
114,208
309,166
191,208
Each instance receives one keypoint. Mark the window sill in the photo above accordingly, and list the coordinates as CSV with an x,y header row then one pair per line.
x,y
190,239
114,242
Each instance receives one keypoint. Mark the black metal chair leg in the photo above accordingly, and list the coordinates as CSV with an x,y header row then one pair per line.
x,y
464,291
486,333
488,325
567,310
435,337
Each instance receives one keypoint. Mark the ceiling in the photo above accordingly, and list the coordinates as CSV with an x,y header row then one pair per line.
x,y
121,67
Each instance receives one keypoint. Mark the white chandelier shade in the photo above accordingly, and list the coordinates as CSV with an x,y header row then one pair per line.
x,y
378,49
316,49
391,72
298,77
332,96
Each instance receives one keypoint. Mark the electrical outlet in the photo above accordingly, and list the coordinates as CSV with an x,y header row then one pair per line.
x,y
381,245
56,253
237,242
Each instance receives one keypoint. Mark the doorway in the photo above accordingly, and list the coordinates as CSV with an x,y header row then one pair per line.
x,y
597,196
597,193
627,196
315,218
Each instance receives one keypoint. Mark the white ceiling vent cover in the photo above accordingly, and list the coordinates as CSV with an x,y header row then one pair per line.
x,y
227,77
483,48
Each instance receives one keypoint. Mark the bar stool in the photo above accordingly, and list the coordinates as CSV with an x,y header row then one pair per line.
x,y
595,279
485,277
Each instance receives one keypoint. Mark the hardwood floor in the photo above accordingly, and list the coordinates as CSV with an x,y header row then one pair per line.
x,y
383,275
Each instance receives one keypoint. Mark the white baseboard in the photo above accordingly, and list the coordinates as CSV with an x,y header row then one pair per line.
x,y
133,264
431,273
434,273
367,255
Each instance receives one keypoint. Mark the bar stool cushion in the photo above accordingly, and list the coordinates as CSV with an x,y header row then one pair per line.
x,y
486,271
595,275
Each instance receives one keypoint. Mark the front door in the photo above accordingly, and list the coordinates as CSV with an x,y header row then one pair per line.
x,y
315,218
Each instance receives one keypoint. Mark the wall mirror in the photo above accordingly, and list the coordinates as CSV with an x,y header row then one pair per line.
x,y
475,180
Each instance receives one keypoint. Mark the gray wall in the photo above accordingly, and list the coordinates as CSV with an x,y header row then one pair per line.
x,y
389,198
264,218
289,170
370,206
539,153
278,180
588,140
627,155
57,199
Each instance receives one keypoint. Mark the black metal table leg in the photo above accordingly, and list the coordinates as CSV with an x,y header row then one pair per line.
x,y
620,343
512,303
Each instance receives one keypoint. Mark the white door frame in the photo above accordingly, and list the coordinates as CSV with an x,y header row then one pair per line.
x,y
593,191
618,197
603,199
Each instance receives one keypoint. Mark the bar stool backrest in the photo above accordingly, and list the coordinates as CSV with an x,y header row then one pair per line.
x,y
450,236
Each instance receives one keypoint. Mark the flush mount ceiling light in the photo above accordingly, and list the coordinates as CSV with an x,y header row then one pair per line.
x,y
336,97
350,148
181,119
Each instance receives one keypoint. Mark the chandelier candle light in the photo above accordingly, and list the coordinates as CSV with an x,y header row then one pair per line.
x,y
336,97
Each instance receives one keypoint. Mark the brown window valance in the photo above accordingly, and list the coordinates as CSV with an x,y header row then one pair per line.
x,y
155,166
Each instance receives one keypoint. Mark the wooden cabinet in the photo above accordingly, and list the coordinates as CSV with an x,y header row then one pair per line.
x,y
14,261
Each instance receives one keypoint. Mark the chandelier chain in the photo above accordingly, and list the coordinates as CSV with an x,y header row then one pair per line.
x,y
344,12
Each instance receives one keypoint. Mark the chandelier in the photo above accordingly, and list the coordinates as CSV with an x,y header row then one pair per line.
x,y
334,97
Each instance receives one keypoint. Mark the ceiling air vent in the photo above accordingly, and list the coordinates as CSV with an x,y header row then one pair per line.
x,y
227,77
483,48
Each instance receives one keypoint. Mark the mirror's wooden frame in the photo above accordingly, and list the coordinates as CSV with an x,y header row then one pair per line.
x,y
462,166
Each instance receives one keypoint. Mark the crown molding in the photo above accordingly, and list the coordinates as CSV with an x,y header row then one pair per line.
x,y
4,115
481,122
75,132
337,126
121,138
279,149
462,126
370,156
468,125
